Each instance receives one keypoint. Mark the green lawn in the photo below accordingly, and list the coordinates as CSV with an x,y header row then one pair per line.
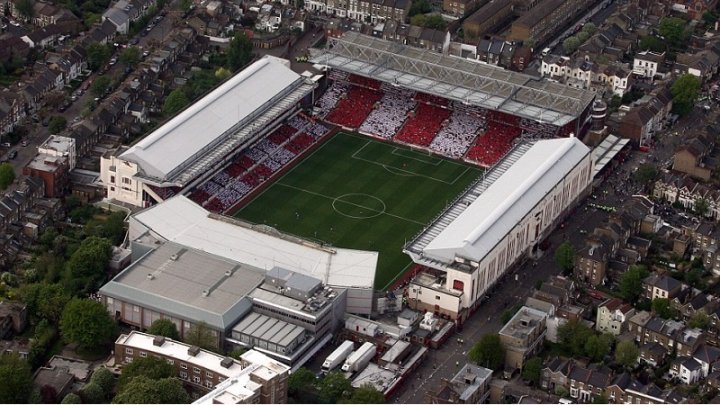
x,y
355,192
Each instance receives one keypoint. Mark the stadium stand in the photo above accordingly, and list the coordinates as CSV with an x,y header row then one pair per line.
x,y
256,164
389,115
353,109
455,138
423,125
491,146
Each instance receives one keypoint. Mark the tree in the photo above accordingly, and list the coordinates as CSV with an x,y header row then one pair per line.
x,y
533,370
572,336
299,380
570,45
201,336
100,86
699,320
98,55
175,101
626,353
597,347
239,51
589,27
150,367
334,387
71,398
7,175
130,56
185,5
57,124
488,352
45,301
646,174
694,278
85,270
651,43
366,394
709,17
565,256
419,7
237,352
164,327
87,323
143,390
662,308
673,30
104,379
433,21
16,379
701,206
684,92
26,8
93,394
631,283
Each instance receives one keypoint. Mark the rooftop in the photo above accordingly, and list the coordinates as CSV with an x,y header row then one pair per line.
x,y
180,220
469,379
224,366
205,126
488,210
187,283
268,329
454,78
57,143
523,323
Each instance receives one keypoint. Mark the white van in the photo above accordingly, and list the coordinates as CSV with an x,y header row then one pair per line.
x,y
545,51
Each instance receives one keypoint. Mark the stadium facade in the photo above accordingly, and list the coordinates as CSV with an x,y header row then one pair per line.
x,y
499,220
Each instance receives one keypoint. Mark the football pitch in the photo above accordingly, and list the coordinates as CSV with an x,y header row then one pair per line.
x,y
358,193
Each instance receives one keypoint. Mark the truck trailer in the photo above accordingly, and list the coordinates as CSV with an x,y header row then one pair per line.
x,y
360,358
338,356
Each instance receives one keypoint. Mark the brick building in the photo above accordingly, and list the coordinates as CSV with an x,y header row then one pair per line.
x,y
258,378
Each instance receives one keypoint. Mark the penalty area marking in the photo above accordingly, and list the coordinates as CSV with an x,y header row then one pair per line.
x,y
373,212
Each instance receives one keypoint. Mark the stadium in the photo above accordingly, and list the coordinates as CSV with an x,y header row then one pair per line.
x,y
356,163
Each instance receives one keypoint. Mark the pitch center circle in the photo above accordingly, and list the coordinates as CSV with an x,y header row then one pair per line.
x,y
359,206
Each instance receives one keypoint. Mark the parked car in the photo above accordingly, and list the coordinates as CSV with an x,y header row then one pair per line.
x,y
134,41
113,61
24,143
12,154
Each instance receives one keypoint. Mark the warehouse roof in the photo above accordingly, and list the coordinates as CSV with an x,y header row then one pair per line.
x,y
187,283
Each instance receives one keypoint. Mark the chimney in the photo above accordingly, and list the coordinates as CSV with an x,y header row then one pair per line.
x,y
193,351
158,340
150,276
227,362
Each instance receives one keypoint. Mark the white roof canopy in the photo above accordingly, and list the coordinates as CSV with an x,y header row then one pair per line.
x,y
503,204
180,220
202,125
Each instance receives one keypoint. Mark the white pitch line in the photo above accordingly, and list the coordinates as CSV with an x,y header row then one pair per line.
x,y
357,205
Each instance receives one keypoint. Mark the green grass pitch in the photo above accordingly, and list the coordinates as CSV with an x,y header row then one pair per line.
x,y
359,193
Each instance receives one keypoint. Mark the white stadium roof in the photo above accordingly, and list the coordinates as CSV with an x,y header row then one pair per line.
x,y
483,216
203,126
180,220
